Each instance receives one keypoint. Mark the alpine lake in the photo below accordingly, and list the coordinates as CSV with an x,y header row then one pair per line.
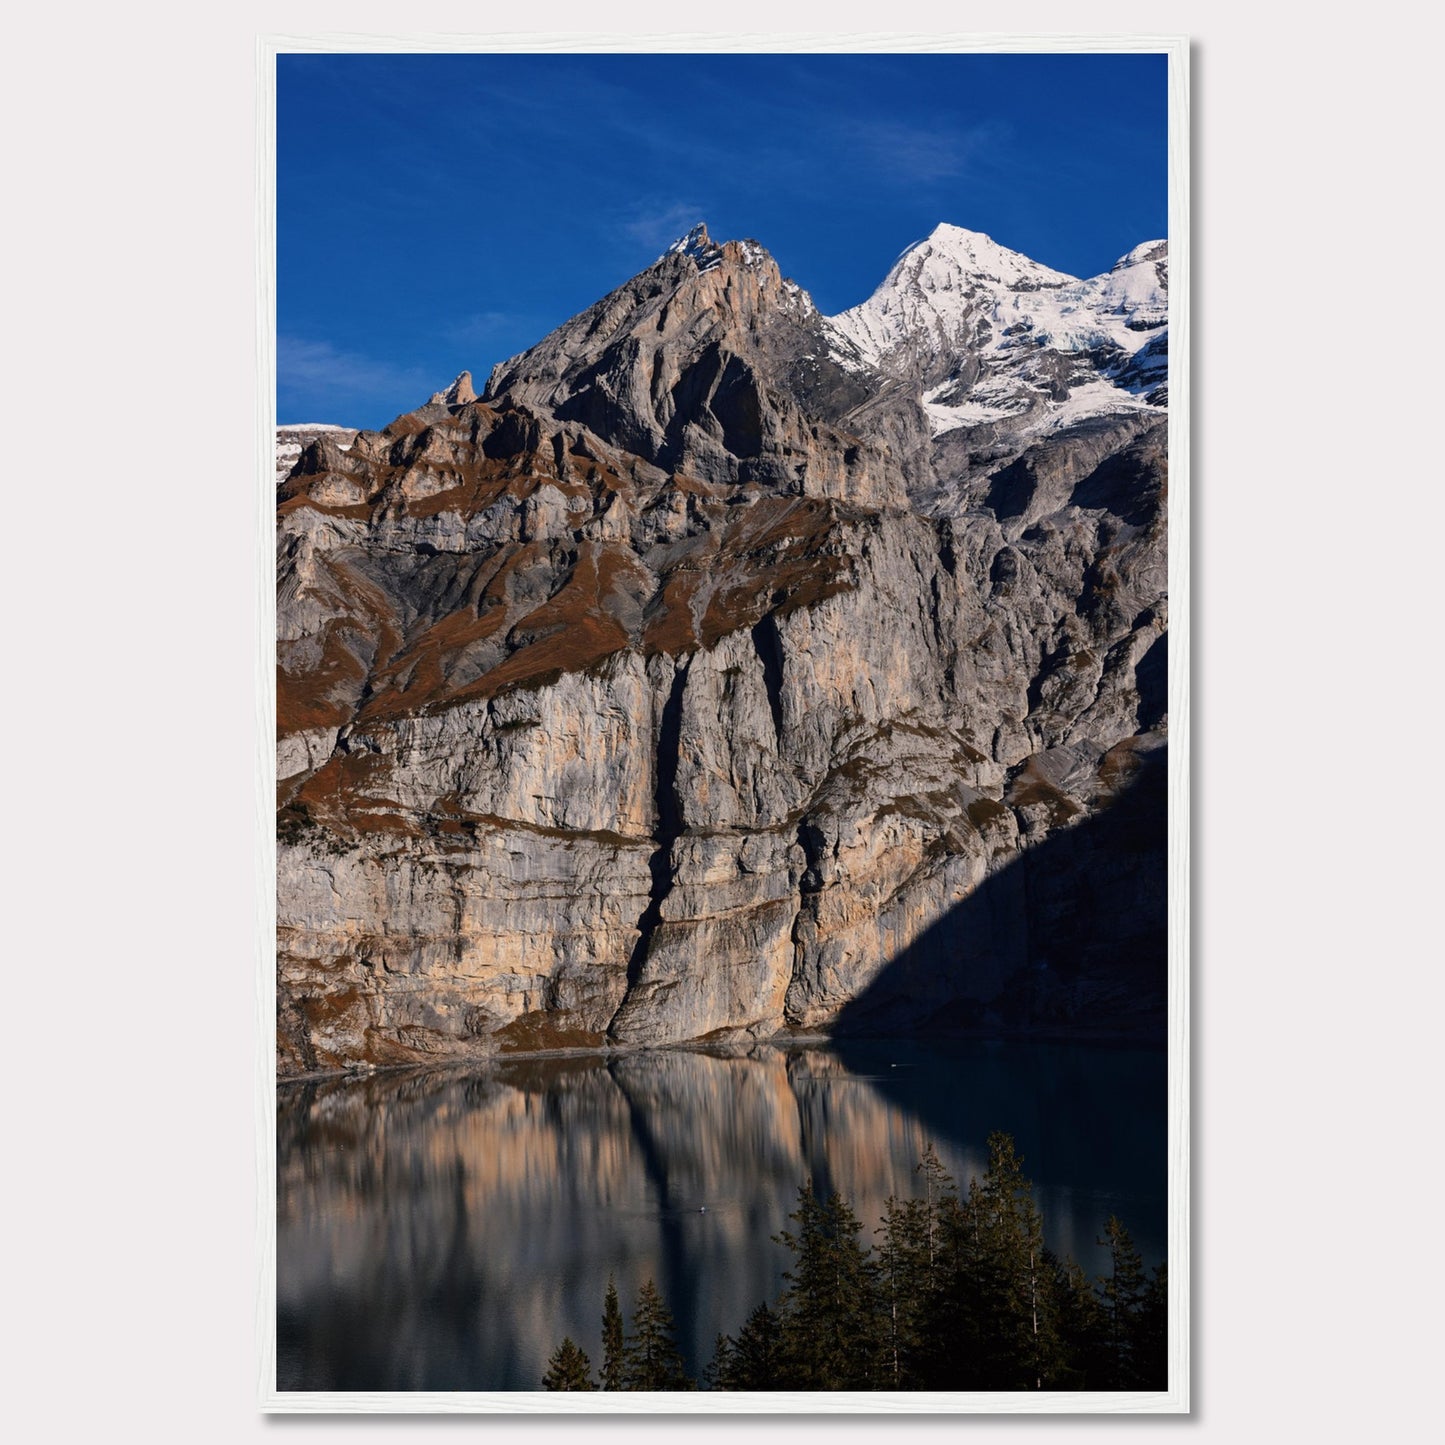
x,y
444,1229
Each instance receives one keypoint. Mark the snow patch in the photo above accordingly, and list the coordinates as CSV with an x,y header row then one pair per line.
x,y
295,437
993,401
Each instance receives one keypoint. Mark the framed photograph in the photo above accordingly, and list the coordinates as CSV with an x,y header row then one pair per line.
x,y
730,602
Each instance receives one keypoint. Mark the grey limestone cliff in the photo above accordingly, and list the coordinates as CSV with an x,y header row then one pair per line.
x,y
697,680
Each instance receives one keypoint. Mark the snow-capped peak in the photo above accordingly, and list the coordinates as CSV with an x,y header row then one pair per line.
x,y
696,243
994,335
1144,251
979,255
937,290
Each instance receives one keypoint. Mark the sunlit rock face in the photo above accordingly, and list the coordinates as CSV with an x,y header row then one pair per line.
x,y
710,676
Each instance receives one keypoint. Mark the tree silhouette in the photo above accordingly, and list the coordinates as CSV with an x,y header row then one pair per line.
x,y
651,1360
723,1366
912,1261
758,1353
1017,1304
993,1317
831,1336
1082,1330
1123,1291
961,1295
1152,1340
612,1347
751,1362
568,1369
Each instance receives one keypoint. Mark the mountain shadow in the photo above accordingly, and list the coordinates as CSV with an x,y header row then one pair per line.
x,y
1068,938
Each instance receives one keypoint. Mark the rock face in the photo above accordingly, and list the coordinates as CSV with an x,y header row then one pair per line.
x,y
726,669
291,441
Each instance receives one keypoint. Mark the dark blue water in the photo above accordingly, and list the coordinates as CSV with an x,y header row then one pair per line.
x,y
445,1230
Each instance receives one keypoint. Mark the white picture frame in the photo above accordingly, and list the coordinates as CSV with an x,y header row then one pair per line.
x,y
1176,1400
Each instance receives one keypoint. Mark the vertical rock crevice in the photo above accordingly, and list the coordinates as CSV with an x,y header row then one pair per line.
x,y
768,643
812,843
668,807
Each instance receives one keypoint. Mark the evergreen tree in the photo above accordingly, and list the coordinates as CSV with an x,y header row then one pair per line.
x,y
830,1337
723,1365
996,1320
1082,1330
1152,1363
962,1295
903,1288
1020,1304
939,1194
650,1359
612,1346
755,1361
949,1352
1123,1292
913,1267
568,1369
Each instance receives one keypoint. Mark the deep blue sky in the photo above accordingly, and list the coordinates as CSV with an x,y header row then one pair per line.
x,y
436,212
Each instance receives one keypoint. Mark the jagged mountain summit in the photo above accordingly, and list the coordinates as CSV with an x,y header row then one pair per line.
x,y
459,393
725,669
697,244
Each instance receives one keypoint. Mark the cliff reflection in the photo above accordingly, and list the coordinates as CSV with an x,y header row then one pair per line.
x,y
443,1230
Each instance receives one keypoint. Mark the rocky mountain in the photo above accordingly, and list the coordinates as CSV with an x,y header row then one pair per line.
x,y
292,440
726,670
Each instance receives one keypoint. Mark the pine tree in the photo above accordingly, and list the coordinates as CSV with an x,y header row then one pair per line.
x,y
1040,1352
756,1361
939,1193
1123,1292
1152,1363
913,1267
723,1365
961,1295
831,1337
568,1369
949,1354
998,1312
612,1347
1082,1330
651,1360
903,1289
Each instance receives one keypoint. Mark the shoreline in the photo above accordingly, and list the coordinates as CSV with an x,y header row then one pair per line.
x,y
1151,1038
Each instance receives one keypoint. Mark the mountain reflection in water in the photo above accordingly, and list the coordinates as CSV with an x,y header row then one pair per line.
x,y
444,1230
